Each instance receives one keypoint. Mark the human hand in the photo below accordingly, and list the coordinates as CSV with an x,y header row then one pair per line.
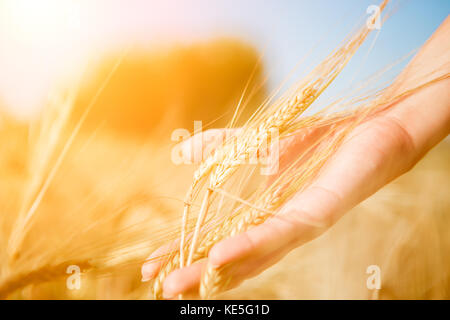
x,y
376,152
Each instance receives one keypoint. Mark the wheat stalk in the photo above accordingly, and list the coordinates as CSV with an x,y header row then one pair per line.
x,y
224,161
295,179
265,206
213,280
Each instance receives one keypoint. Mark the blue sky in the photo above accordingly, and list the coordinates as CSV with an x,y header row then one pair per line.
x,y
285,30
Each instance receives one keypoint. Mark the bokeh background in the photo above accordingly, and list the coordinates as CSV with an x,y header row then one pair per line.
x,y
146,68
44,41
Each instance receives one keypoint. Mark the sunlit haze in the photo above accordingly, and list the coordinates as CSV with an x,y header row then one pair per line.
x,y
47,41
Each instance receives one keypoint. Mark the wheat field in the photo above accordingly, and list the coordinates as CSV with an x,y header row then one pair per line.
x,y
91,183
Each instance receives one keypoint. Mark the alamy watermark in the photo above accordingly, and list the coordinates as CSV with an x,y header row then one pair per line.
x,y
73,282
374,20
374,280
262,149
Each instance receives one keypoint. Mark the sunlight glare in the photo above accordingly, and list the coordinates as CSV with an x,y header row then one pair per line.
x,y
40,42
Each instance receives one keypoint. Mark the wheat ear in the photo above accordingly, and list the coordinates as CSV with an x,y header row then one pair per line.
x,y
283,115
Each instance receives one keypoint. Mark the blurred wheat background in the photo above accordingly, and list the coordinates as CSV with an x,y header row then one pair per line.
x,y
110,194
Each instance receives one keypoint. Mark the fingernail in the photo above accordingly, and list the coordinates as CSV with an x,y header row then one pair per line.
x,y
148,271
145,279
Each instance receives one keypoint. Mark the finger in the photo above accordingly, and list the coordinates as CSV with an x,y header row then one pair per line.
x,y
183,280
197,148
245,255
233,274
300,220
274,233
154,262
